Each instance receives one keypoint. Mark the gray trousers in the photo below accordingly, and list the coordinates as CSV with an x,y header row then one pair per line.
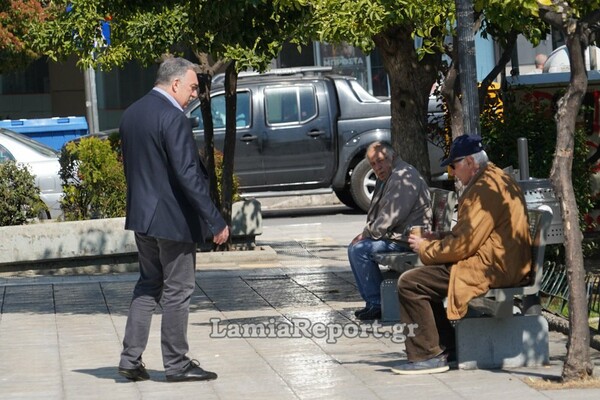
x,y
167,276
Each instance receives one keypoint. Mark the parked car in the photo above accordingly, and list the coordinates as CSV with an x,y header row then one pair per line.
x,y
42,162
303,130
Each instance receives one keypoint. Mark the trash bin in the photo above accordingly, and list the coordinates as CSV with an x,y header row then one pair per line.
x,y
53,132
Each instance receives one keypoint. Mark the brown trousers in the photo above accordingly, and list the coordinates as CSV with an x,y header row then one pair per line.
x,y
422,292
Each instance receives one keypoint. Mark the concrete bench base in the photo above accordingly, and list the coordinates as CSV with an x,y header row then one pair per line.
x,y
518,341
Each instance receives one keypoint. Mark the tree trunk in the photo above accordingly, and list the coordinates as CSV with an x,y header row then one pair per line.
x,y
451,93
411,81
578,364
205,76
208,153
229,144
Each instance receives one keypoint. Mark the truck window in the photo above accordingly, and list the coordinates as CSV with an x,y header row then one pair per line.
x,y
286,105
5,155
218,111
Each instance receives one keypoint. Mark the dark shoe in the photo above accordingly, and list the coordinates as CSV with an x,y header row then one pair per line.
x,y
432,366
135,374
370,314
192,372
360,311
451,358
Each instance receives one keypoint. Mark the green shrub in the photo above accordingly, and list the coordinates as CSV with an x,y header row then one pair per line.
x,y
93,180
219,175
19,197
533,119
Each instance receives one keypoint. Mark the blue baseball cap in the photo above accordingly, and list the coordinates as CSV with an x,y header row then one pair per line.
x,y
463,146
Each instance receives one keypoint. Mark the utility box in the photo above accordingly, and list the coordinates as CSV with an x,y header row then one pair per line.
x,y
53,132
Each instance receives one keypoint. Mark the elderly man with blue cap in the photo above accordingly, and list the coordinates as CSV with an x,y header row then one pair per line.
x,y
488,247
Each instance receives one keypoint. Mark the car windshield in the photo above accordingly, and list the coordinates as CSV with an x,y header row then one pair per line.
x,y
35,145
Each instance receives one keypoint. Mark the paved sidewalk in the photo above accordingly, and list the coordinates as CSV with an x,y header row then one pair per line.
x,y
60,337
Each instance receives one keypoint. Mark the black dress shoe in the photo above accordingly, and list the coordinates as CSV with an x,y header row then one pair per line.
x,y
135,374
192,372
370,314
360,311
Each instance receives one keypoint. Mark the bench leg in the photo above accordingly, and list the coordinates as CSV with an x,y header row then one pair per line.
x,y
511,342
390,305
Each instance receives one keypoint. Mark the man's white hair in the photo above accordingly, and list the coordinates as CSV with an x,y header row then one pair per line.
x,y
480,158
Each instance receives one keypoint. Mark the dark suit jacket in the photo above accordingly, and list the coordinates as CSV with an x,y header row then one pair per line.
x,y
167,185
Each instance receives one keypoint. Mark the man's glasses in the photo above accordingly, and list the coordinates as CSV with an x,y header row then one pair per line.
x,y
456,161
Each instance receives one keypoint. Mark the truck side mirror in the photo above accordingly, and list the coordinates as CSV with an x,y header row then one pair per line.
x,y
195,121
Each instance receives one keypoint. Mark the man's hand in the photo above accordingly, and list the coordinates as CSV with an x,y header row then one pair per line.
x,y
415,241
222,236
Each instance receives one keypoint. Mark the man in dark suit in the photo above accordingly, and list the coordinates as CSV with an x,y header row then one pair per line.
x,y
170,210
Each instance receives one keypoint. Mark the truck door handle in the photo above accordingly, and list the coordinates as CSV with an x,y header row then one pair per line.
x,y
248,138
315,133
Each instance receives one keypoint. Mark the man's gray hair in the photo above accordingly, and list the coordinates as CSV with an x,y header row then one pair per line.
x,y
387,148
171,68
480,158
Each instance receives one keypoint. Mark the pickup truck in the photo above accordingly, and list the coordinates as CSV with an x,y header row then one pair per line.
x,y
301,131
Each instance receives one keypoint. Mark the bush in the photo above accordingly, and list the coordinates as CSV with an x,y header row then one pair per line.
x,y
219,175
19,197
533,119
93,180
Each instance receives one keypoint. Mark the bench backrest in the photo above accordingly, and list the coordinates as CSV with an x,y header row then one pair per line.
x,y
442,203
539,223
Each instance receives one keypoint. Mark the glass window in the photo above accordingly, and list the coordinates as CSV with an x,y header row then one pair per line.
x,y
290,104
308,105
242,118
5,155
218,111
31,80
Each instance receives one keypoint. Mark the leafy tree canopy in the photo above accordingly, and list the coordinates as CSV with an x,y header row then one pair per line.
x,y
248,31
15,18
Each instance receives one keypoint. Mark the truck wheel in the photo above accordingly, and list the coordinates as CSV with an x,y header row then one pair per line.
x,y
345,197
362,184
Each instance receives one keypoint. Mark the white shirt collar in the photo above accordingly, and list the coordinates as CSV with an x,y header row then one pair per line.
x,y
168,96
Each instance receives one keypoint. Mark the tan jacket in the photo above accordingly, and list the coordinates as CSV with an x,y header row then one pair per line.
x,y
490,245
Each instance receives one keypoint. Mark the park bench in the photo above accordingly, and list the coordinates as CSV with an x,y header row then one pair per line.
x,y
443,203
492,335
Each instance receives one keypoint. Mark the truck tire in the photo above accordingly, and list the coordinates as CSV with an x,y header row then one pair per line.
x,y
345,197
362,184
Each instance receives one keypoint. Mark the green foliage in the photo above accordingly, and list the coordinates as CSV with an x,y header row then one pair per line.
x,y
16,17
143,31
219,174
532,118
93,180
501,18
358,21
19,197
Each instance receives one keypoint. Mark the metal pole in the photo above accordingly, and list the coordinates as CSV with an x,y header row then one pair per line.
x,y
467,66
523,154
91,100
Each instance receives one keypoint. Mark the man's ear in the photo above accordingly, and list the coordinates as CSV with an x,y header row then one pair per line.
x,y
175,85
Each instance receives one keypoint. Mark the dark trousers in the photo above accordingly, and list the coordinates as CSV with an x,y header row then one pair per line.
x,y
422,291
167,276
